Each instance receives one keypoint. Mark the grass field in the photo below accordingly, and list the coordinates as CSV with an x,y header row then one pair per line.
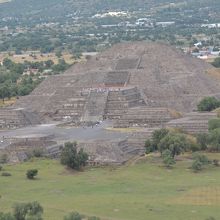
x,y
144,191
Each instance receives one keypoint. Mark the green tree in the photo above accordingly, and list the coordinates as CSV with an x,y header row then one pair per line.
x,y
73,158
28,211
214,140
168,160
176,143
157,136
199,161
31,174
4,91
196,165
208,104
214,123
202,140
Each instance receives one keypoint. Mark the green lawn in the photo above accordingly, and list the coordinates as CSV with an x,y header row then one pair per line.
x,y
145,191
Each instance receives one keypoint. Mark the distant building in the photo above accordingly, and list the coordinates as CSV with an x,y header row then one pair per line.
x,y
165,24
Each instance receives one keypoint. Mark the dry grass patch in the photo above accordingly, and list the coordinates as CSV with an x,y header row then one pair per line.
x,y
38,57
200,196
7,102
214,72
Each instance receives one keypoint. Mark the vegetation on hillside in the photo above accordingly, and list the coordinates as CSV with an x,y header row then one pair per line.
x,y
14,81
72,157
208,104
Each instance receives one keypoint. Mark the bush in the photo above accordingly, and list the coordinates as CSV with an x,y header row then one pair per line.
x,y
6,216
37,152
199,162
1,168
202,141
28,211
148,147
93,218
202,158
196,166
215,162
214,123
214,140
208,104
6,174
72,158
73,216
31,173
168,159
216,62
3,158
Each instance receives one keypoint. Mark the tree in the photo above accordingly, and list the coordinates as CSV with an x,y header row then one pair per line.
x,y
208,104
168,160
32,173
176,143
4,91
28,211
199,161
202,140
214,140
157,136
148,146
196,165
72,158
73,216
214,123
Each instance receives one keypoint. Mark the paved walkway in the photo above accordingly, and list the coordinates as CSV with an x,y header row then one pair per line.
x,y
63,134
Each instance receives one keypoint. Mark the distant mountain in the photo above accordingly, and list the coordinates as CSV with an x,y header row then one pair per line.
x,y
57,8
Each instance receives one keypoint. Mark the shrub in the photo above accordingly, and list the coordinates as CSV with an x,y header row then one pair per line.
x,y
1,168
202,158
208,104
37,152
148,147
216,62
93,218
215,162
72,158
6,216
6,174
3,158
25,211
202,141
214,123
196,166
31,173
214,140
199,162
73,216
167,158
